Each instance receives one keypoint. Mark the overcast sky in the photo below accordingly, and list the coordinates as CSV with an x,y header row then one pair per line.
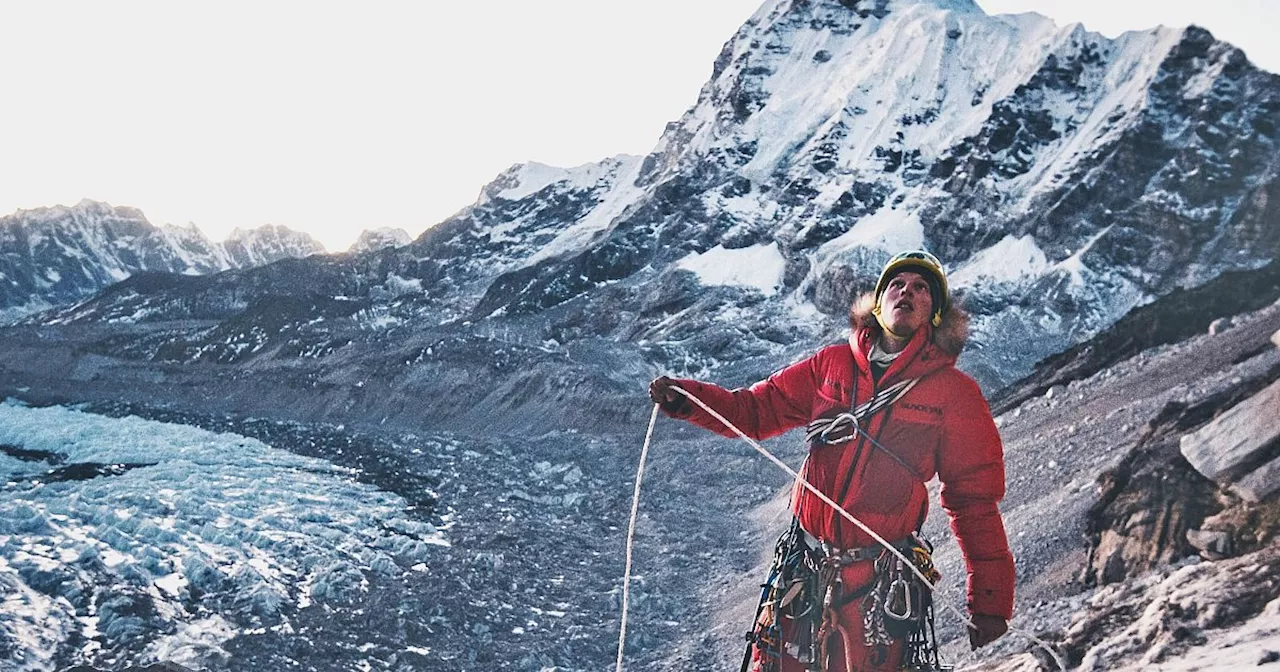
x,y
332,118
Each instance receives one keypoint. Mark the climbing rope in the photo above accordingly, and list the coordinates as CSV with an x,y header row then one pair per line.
x,y
964,618
631,534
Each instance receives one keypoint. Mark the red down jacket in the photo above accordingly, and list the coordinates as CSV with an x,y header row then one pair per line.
x,y
943,426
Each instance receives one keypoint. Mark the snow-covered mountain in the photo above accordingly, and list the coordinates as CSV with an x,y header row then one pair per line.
x,y
1064,177
376,239
54,256
246,248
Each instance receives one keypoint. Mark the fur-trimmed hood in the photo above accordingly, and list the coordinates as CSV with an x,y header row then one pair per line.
x,y
950,336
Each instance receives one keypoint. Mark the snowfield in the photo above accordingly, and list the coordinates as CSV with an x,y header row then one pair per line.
x,y
112,530
760,267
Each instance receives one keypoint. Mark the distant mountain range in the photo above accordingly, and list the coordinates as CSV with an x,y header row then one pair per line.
x,y
1064,177
59,255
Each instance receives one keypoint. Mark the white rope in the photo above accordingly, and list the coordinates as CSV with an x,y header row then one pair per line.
x,y
631,533
964,618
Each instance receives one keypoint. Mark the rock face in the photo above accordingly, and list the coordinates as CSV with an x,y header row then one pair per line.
x,y
58,255
1164,498
1202,616
1148,503
1243,445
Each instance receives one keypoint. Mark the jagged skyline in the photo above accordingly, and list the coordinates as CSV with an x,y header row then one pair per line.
x,y
332,122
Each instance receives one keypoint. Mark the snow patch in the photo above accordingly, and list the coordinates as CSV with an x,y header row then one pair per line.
x,y
759,267
1074,264
888,229
1012,259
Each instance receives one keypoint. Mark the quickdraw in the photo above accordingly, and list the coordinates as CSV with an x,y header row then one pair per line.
x,y
899,608
788,592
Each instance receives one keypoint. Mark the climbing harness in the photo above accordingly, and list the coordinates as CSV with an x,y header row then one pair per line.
x,y
804,588
802,482
806,571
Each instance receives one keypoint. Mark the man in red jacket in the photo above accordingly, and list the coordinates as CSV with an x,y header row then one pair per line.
x,y
907,330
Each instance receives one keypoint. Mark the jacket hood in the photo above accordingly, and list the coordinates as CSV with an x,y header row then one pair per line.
x,y
950,336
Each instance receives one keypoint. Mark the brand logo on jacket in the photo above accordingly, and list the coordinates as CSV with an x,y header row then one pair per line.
x,y
931,410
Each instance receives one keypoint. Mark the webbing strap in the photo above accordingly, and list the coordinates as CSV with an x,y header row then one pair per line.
x,y
829,429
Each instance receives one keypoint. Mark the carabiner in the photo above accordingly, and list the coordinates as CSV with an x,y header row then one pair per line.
x,y
899,595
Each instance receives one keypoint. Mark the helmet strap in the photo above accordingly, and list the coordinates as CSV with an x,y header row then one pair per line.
x,y
875,310
936,320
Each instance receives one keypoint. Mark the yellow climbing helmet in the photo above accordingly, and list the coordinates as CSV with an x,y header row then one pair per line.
x,y
926,265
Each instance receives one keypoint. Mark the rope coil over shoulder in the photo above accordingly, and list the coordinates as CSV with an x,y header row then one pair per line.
x,y
831,431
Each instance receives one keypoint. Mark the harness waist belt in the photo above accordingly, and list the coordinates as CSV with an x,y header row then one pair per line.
x,y
849,556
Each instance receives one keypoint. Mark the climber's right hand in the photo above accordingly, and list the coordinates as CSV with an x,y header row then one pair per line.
x,y
662,391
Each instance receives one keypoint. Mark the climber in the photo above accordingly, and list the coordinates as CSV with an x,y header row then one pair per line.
x,y
835,601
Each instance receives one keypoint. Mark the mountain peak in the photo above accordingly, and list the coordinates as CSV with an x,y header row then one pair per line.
x,y
376,239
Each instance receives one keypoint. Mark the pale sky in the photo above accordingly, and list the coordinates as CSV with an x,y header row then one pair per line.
x,y
335,117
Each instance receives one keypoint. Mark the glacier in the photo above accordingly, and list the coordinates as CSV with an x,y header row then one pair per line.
x,y
190,534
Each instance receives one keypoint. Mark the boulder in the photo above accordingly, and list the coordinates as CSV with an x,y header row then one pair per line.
x,y
1275,338
1212,544
1260,483
1239,440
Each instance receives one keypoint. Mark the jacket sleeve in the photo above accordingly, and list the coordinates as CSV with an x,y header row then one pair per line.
x,y
971,468
768,408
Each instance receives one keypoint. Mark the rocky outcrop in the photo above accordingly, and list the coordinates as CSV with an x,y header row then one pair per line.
x,y
1147,504
1206,615
1153,507
1241,448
